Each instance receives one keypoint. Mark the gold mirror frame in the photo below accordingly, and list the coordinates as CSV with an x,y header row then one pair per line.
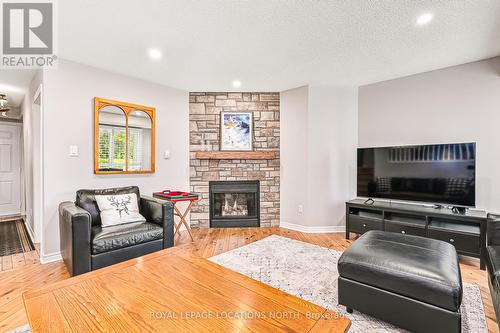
x,y
127,108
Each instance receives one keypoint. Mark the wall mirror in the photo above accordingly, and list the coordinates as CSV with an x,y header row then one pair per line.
x,y
124,137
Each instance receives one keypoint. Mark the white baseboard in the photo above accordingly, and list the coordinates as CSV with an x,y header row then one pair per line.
x,y
46,258
312,229
31,233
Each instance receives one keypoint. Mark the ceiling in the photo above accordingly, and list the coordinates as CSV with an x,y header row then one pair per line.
x,y
269,45
273,44
14,84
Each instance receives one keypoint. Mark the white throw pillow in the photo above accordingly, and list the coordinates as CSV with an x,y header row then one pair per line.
x,y
118,209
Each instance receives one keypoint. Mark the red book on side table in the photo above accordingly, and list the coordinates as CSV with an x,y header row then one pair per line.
x,y
177,196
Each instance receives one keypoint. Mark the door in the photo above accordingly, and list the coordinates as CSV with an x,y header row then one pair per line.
x,y
10,171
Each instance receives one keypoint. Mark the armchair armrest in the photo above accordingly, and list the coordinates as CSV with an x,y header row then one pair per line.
x,y
493,229
160,212
74,232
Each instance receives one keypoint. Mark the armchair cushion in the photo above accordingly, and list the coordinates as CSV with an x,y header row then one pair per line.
x,y
120,236
161,213
118,209
86,199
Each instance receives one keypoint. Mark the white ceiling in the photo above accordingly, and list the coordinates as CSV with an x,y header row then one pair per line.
x,y
269,44
274,44
14,84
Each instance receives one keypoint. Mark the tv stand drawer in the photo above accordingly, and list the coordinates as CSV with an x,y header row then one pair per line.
x,y
462,242
361,225
404,229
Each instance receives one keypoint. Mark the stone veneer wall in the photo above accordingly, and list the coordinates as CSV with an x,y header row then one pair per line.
x,y
204,120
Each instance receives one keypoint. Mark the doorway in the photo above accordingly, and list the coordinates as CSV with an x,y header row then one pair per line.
x,y
10,170
13,234
20,164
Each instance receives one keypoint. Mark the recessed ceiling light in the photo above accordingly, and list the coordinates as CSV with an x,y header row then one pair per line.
x,y
154,54
236,83
424,18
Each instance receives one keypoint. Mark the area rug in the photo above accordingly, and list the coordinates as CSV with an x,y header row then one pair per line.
x,y
14,238
310,272
22,329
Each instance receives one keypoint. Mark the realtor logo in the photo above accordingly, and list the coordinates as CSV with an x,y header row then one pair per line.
x,y
27,28
27,34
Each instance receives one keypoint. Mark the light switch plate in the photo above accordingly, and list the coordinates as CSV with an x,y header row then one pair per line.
x,y
73,151
166,154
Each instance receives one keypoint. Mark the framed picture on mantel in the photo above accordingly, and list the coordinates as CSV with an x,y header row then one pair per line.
x,y
236,132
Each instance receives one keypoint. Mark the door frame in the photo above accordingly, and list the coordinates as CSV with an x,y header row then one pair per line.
x,y
20,152
38,199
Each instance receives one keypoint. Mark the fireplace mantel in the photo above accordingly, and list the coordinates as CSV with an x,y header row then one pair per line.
x,y
235,155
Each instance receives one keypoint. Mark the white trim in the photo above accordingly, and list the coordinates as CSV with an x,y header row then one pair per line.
x,y
312,229
38,215
31,233
46,258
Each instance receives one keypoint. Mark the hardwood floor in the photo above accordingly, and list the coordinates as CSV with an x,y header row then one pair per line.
x,y
18,260
208,242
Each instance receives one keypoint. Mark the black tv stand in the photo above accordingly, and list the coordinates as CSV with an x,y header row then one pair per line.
x,y
465,230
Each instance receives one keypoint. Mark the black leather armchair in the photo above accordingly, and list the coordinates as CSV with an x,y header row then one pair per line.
x,y
86,246
493,261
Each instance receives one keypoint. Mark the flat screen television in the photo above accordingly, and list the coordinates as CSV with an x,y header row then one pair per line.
x,y
438,174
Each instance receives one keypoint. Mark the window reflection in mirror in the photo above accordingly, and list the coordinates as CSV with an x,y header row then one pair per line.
x,y
112,124
124,137
139,141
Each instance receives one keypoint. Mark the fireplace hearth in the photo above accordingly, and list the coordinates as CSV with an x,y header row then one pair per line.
x,y
234,204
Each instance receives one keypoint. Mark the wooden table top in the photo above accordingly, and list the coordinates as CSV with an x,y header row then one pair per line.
x,y
174,200
172,291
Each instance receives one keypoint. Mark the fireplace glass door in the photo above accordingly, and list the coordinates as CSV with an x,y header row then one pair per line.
x,y
234,204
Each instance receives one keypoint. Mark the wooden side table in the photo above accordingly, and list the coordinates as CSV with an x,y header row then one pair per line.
x,y
177,212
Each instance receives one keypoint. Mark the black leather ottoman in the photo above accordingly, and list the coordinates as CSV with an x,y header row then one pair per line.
x,y
409,281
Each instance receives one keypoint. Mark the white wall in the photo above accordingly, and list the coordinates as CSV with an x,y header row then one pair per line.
x,y
31,159
293,154
325,163
456,104
332,153
68,119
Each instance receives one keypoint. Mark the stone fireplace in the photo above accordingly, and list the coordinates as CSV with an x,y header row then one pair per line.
x,y
234,204
209,166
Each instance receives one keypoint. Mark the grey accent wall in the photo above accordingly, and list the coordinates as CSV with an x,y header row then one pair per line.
x,y
455,104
